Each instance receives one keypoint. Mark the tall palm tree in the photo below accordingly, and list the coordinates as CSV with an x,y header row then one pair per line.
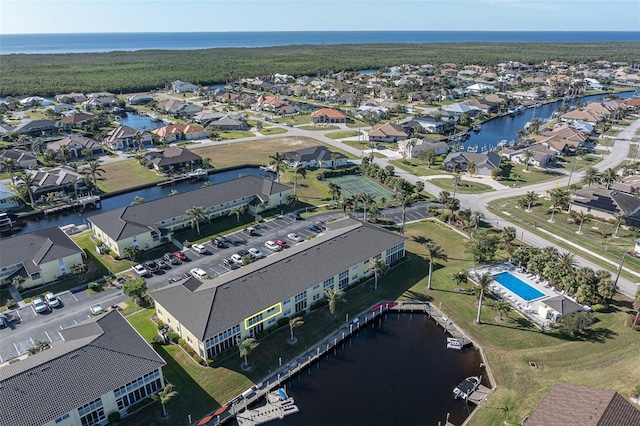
x,y
8,164
298,169
94,170
277,162
591,176
64,153
405,201
293,323
367,200
443,198
580,217
237,211
608,177
333,296
567,262
527,155
379,268
476,217
456,182
434,252
531,198
334,191
164,396
246,346
619,218
559,200
483,283
28,181
196,214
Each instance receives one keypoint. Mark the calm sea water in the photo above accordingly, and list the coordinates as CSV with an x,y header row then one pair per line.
x,y
105,42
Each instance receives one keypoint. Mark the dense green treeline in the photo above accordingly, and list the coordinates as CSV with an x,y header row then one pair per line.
x,y
124,72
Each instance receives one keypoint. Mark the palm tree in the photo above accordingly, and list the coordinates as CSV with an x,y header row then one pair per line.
x,y
502,307
246,346
333,296
483,283
293,323
334,191
531,198
28,180
476,217
164,396
619,217
196,214
405,201
608,177
298,169
8,163
559,200
65,154
527,155
567,262
434,252
367,200
93,169
580,217
379,268
591,176
456,182
238,211
443,198
460,278
277,161
39,346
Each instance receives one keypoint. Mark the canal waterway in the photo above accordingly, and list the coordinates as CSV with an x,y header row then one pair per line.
x,y
139,122
505,128
152,193
396,371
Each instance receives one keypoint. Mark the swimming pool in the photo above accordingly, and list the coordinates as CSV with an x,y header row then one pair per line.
x,y
519,287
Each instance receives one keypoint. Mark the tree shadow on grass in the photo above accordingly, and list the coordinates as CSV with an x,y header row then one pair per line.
x,y
594,335
416,297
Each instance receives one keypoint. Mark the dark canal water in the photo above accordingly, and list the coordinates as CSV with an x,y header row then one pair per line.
x,y
148,194
394,372
500,128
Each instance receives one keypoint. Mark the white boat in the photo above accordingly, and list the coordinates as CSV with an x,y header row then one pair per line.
x,y
472,148
154,117
453,343
503,143
477,127
467,387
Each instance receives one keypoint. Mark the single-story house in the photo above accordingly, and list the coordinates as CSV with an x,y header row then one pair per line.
x,y
175,132
583,114
212,315
328,115
220,120
566,132
7,198
77,144
175,157
315,156
104,365
462,108
146,224
19,159
485,106
77,119
38,128
606,203
140,99
387,132
60,179
628,184
481,88
568,404
182,86
100,100
541,155
412,147
268,103
484,163
181,108
72,98
429,124
555,307
39,256
123,137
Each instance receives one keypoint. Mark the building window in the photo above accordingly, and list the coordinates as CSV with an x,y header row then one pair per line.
x,y
62,418
343,280
316,297
328,283
317,286
301,302
138,389
91,413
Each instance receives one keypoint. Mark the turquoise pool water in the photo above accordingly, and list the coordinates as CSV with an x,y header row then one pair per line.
x,y
519,287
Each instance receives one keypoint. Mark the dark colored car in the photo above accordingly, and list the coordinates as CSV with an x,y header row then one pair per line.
x,y
174,278
294,215
161,264
151,266
314,228
243,253
180,255
171,258
219,243
230,263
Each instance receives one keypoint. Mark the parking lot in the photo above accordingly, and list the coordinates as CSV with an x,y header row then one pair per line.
x,y
27,326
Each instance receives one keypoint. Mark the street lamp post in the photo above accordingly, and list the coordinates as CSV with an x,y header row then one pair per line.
x,y
615,283
571,172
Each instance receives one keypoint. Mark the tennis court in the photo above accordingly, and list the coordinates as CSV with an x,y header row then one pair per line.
x,y
352,185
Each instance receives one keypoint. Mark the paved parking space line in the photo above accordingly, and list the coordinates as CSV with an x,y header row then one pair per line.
x,y
16,346
76,322
18,312
61,328
34,311
1,360
32,342
48,337
74,296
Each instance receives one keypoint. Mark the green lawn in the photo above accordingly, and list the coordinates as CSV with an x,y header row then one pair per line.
x,y
84,240
319,127
125,174
414,166
342,134
295,120
235,134
272,131
464,187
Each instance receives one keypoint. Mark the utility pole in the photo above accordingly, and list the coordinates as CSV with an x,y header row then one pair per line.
x,y
571,172
615,283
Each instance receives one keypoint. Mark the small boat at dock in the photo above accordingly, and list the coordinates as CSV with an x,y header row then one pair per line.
x,y
467,387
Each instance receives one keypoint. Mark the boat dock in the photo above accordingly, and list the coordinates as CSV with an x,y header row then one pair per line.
x,y
195,175
479,395
278,405
89,200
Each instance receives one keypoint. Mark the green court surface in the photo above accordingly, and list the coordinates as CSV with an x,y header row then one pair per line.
x,y
351,185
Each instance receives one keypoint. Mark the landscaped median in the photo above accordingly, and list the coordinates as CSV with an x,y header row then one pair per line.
x,y
606,356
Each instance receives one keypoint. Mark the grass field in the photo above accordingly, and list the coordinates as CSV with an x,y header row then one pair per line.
x,y
235,134
342,134
125,174
414,166
320,127
352,185
464,187
273,131
606,357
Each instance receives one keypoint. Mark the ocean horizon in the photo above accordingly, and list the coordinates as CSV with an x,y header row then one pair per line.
x,y
107,42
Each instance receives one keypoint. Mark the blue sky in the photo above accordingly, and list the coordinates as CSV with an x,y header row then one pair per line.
x,y
88,16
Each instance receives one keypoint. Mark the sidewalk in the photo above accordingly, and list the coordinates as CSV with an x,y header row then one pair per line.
x,y
15,295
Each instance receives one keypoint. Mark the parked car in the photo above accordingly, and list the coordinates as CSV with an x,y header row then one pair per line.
x,y
294,237
255,253
242,252
320,224
171,258
140,270
39,305
121,280
250,230
174,278
96,309
181,256
294,215
198,273
52,300
186,275
199,248
161,264
271,245
236,258
219,243
281,243
314,228
230,263
151,266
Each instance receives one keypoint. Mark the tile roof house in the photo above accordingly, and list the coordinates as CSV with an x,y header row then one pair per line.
x,y
212,314
412,147
628,184
315,156
124,137
40,256
18,158
606,203
541,155
60,179
100,366
568,404
484,163
175,156
72,98
77,144
145,224
429,124
73,120
181,108
174,132
387,132
566,132
328,115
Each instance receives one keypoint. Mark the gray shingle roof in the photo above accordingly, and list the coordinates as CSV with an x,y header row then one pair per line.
x,y
133,220
95,358
319,153
563,305
216,305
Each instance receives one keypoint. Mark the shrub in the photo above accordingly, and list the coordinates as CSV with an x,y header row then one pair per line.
x,y
114,417
599,307
444,217
629,322
160,325
157,339
114,255
138,405
94,286
197,358
319,304
11,304
282,322
173,336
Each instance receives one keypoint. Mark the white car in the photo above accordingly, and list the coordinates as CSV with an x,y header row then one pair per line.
x,y
255,253
52,300
140,270
237,258
294,237
271,245
199,248
199,274
96,309
39,305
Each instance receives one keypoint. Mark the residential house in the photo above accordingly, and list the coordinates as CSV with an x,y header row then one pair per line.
x,y
77,145
35,101
328,115
481,88
590,116
227,122
140,99
541,155
124,137
7,198
462,108
62,179
74,120
607,203
568,404
485,106
628,184
174,158
182,87
315,156
38,128
146,225
179,108
484,163
40,257
558,144
19,159
175,132
268,103
213,315
104,365
71,98
412,147
429,124
566,132
387,132
593,84
100,100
